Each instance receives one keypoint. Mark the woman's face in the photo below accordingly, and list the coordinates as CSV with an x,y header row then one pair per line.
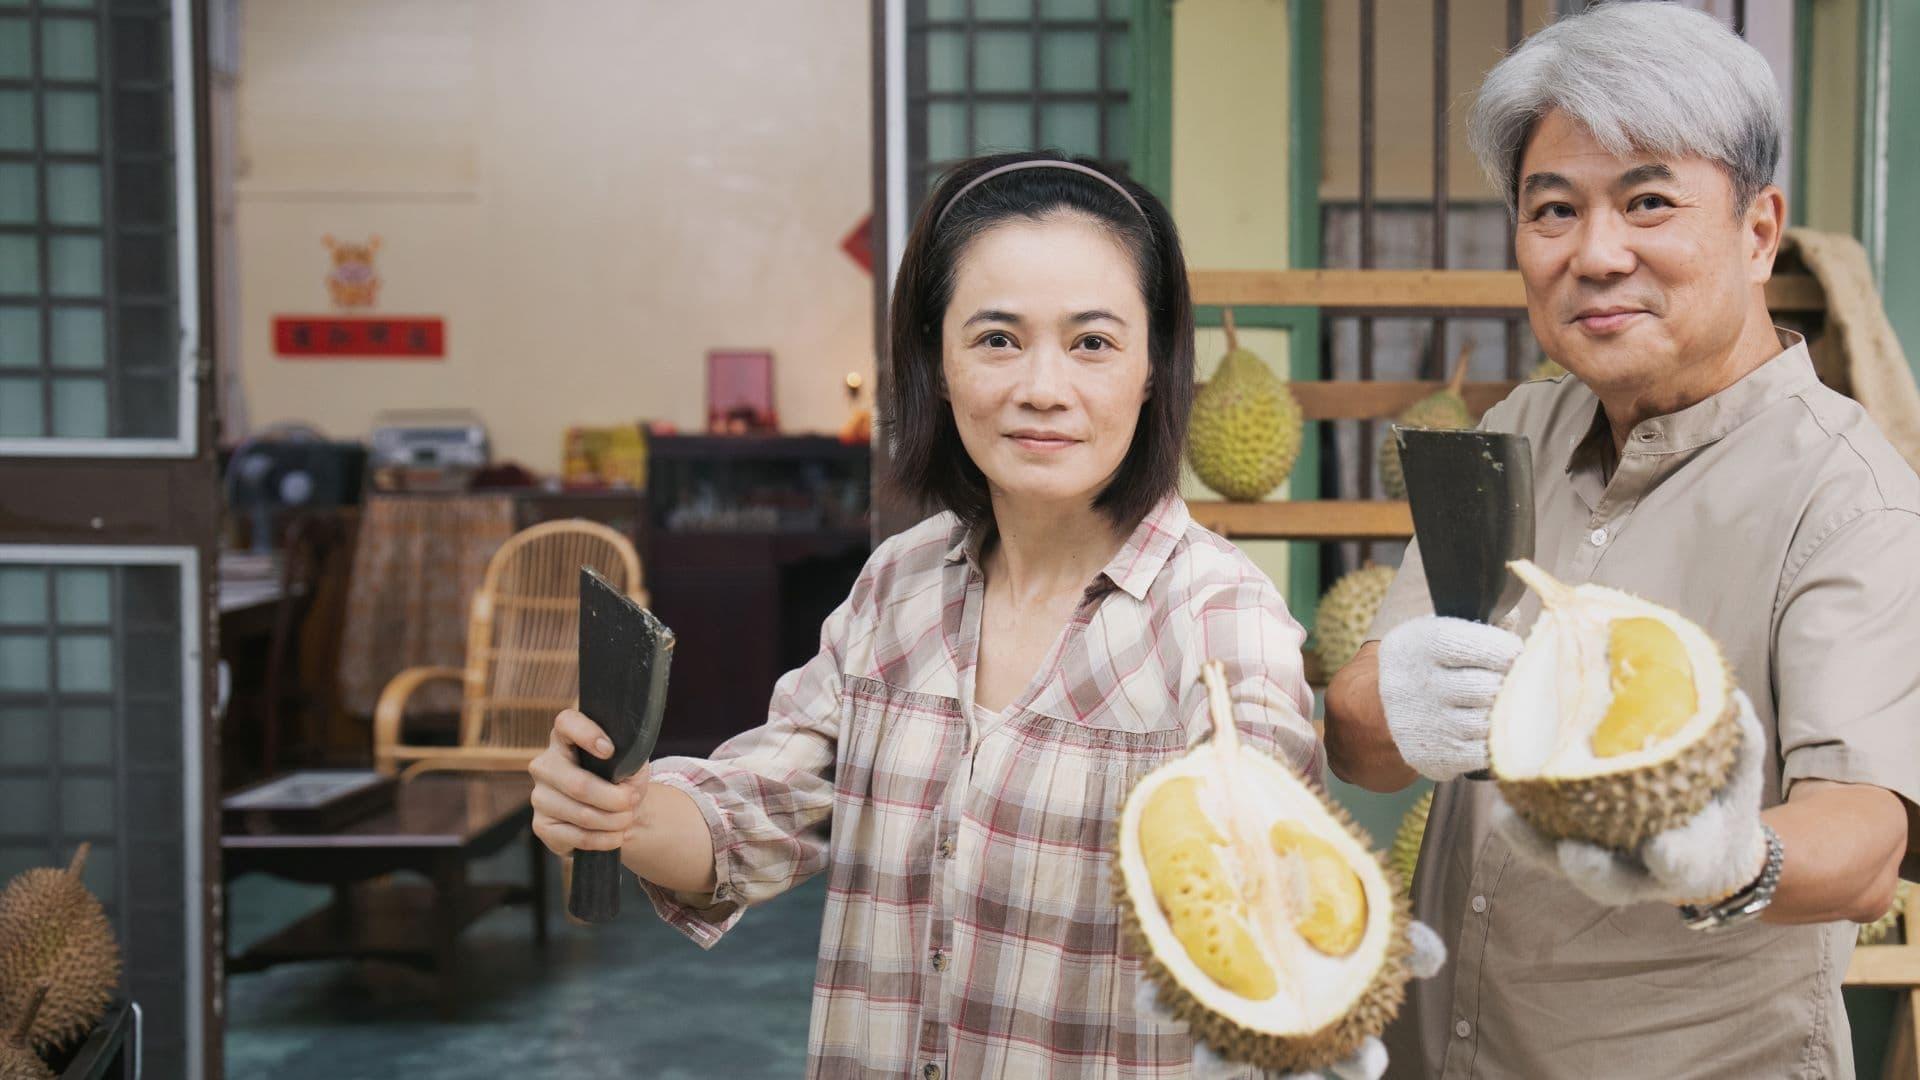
x,y
1044,352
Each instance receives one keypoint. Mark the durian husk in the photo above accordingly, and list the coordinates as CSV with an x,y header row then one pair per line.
x,y
1404,857
1373,1009
17,1059
1621,810
52,930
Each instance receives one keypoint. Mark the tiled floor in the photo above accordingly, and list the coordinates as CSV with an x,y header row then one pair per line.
x,y
633,999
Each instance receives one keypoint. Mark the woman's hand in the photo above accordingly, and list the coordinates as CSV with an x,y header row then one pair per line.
x,y
574,810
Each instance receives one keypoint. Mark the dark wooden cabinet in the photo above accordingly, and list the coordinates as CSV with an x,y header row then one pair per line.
x,y
751,544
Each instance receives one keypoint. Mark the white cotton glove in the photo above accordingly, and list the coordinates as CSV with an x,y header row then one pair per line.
x,y
1712,854
1438,679
1367,1062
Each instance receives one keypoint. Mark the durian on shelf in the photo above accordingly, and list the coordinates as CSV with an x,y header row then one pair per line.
x,y
1244,432
1616,722
53,931
1261,914
1444,408
1345,612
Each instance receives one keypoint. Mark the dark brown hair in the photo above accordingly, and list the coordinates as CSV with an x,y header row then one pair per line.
x,y
930,465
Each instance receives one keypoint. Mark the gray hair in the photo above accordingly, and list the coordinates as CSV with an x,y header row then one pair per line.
x,y
1647,77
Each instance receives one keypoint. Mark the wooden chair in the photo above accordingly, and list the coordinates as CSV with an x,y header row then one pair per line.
x,y
523,634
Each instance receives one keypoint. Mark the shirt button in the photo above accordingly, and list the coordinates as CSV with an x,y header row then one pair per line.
x,y
1479,904
940,960
1463,1029
930,1071
1598,538
946,848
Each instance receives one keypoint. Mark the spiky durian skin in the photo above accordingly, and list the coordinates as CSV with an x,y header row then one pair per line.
x,y
1621,810
1372,1011
1244,431
53,930
1344,614
19,1063
1404,856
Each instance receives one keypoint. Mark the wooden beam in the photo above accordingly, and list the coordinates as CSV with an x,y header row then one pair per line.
x,y
1490,290
1894,966
1317,520
1385,400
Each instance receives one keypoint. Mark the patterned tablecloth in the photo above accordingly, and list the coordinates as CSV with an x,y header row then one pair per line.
x,y
419,561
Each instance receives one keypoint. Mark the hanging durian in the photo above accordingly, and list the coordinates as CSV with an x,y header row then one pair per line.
x,y
1244,433
1345,612
1264,918
52,930
17,1059
1616,722
1444,408
1404,856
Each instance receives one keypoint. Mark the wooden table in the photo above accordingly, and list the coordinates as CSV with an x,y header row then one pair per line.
x,y
437,826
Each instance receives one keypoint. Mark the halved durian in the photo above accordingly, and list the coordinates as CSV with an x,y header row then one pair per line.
x,y
1616,722
1268,924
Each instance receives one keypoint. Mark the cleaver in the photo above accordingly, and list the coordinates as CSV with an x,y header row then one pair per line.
x,y
1472,498
624,656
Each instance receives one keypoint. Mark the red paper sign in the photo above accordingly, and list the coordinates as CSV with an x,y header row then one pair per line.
x,y
330,337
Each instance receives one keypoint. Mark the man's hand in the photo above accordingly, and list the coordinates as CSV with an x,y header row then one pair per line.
x,y
1367,1062
1438,679
1710,856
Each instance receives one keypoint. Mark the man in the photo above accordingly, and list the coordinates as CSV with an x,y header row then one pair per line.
x,y
1694,459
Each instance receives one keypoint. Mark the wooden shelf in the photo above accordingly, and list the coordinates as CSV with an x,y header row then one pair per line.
x,y
1306,520
1376,400
1419,290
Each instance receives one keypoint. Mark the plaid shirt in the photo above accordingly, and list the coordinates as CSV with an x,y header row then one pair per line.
x,y
970,929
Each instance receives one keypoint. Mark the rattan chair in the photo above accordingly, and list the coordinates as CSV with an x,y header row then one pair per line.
x,y
523,632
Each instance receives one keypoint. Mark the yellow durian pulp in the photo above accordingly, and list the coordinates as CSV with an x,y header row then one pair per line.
x,y
1268,923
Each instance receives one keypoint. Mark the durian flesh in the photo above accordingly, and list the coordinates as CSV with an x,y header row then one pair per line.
x,y
1266,920
1616,721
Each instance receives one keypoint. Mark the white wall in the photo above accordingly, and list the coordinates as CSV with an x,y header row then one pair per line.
x,y
592,193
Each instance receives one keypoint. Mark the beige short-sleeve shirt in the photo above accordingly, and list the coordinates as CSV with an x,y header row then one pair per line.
x,y
1777,516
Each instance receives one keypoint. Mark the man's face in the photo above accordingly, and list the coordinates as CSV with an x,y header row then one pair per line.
x,y
1635,267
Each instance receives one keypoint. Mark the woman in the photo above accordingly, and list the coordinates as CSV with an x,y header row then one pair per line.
x,y
1002,673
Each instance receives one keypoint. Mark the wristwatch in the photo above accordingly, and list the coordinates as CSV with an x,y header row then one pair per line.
x,y
1747,904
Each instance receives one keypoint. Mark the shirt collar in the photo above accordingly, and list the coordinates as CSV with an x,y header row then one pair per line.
x,y
1789,372
1132,568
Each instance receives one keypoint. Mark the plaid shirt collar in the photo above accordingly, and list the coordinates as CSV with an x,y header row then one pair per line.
x,y
1132,568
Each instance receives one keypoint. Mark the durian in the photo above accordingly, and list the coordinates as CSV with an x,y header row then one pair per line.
x,y
1444,408
1545,369
1263,917
52,930
1882,928
17,1059
1404,856
1346,611
1244,433
1617,720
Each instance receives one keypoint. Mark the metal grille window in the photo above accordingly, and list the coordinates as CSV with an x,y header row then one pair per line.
x,y
88,290
95,697
987,75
